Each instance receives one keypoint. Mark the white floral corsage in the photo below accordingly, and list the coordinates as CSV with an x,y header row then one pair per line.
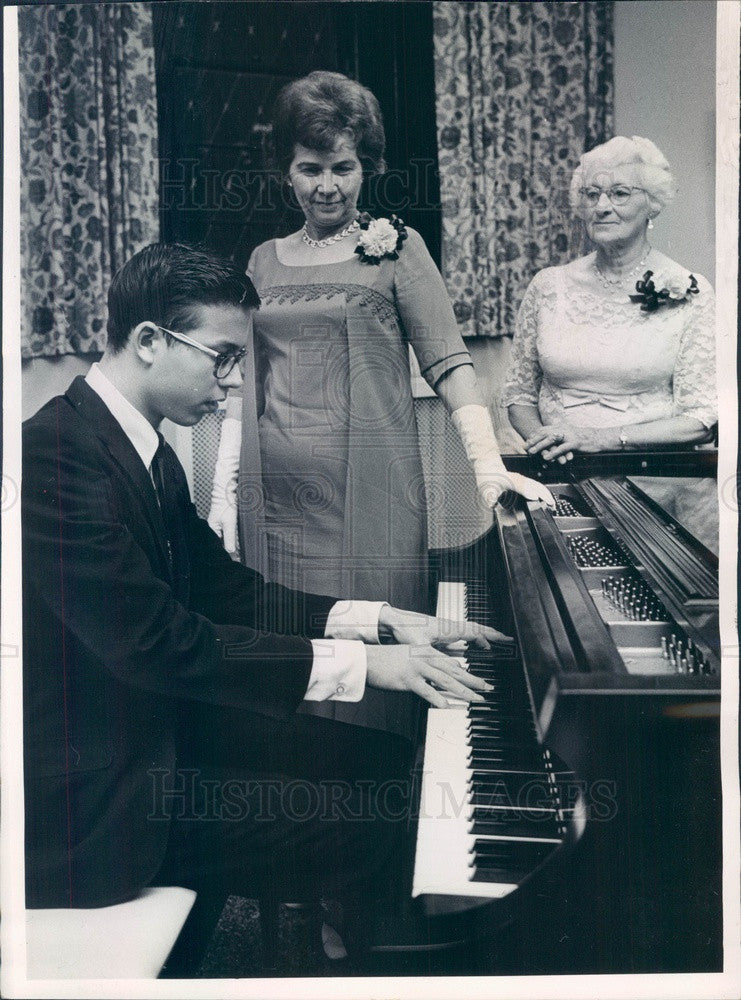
x,y
380,238
671,291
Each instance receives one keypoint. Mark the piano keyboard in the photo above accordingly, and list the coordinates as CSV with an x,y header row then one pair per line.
x,y
490,807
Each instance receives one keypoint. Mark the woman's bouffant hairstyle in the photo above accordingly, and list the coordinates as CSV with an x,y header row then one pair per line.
x,y
315,110
654,170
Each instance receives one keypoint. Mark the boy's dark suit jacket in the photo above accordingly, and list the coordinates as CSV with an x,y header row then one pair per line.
x,y
116,645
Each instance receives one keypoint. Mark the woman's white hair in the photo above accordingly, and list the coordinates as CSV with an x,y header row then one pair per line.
x,y
654,170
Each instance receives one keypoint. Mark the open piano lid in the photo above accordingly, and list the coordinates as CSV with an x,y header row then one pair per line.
x,y
568,644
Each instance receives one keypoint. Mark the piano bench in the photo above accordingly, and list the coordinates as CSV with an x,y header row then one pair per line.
x,y
126,941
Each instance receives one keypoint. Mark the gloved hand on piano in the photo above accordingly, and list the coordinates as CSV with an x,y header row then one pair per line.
x,y
476,431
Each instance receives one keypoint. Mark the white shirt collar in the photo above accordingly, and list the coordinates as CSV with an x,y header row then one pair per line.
x,y
134,424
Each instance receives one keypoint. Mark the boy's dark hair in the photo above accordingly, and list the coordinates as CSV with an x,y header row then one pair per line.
x,y
165,283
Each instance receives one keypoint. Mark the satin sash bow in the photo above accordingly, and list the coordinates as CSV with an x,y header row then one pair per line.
x,y
580,397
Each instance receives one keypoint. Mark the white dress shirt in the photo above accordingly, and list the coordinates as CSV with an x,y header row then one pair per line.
x,y
340,666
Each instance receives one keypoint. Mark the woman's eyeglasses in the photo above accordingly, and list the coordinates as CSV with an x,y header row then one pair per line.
x,y
223,362
617,195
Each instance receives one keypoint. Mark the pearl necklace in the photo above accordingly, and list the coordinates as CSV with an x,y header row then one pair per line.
x,y
609,282
320,244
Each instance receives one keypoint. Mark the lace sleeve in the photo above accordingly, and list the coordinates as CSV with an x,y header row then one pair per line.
x,y
694,372
525,375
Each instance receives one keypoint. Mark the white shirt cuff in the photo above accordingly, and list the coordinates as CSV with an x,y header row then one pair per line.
x,y
338,672
354,620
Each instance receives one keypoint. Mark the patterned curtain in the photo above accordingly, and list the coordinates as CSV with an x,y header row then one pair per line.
x,y
522,89
89,193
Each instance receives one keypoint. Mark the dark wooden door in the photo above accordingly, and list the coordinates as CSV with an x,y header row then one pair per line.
x,y
219,68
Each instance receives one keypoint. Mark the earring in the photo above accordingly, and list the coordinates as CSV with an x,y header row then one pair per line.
x,y
650,224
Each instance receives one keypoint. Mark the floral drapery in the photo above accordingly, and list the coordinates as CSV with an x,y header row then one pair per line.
x,y
89,191
522,90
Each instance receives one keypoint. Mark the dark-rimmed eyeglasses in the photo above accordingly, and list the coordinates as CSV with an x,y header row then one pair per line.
x,y
617,195
224,361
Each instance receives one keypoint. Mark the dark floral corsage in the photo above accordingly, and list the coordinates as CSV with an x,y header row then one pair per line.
x,y
673,292
380,238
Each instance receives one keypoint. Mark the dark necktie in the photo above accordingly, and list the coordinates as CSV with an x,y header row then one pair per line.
x,y
168,485
164,494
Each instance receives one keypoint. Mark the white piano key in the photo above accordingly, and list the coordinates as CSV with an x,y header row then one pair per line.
x,y
443,842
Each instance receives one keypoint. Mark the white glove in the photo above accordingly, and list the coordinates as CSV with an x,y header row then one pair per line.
x,y
223,514
476,431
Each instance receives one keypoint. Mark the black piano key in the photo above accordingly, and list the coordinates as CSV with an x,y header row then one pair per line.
x,y
499,720
489,711
495,722
522,788
503,671
501,742
497,655
498,876
504,676
506,873
527,753
492,758
489,714
511,733
476,734
486,776
504,666
492,739
499,694
509,861
508,694
488,718
529,852
503,687
517,762
502,652
504,690
490,707
492,799
482,772
514,823
482,812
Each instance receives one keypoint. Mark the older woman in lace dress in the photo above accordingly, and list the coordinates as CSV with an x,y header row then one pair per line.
x,y
615,350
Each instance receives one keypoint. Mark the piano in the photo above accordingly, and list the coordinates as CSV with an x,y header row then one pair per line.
x,y
580,806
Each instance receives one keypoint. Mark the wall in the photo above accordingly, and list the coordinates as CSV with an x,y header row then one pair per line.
x,y
42,378
665,90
